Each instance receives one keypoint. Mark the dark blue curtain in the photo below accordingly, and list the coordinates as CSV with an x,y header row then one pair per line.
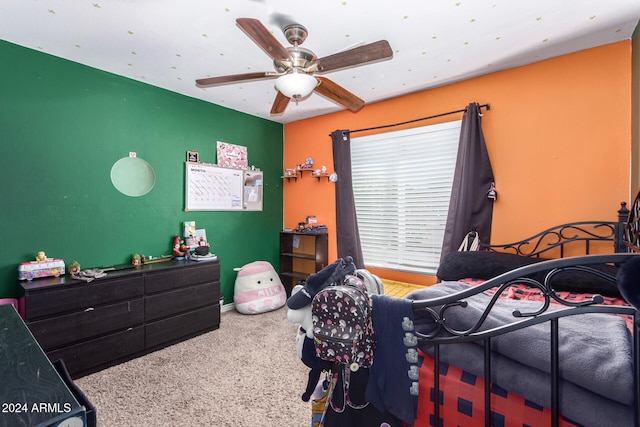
x,y
473,193
347,234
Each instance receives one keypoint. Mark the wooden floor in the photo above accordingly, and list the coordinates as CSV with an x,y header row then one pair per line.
x,y
398,289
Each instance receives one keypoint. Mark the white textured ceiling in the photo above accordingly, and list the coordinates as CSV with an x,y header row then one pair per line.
x,y
171,43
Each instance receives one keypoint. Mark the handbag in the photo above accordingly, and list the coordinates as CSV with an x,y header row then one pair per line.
x,y
471,242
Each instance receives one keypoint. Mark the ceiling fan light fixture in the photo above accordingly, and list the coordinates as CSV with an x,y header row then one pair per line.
x,y
296,85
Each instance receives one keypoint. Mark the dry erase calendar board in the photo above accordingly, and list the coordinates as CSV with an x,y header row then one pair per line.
x,y
212,188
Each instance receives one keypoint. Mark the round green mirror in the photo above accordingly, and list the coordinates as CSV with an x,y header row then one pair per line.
x,y
133,176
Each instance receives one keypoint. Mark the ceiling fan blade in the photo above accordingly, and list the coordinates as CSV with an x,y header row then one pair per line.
x,y
279,104
263,38
361,55
215,81
338,94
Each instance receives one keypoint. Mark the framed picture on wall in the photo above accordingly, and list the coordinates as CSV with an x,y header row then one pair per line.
x,y
193,156
231,155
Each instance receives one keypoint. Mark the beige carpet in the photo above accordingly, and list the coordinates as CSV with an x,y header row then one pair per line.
x,y
246,373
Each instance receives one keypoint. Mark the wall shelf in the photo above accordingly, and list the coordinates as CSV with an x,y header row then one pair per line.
x,y
300,174
322,175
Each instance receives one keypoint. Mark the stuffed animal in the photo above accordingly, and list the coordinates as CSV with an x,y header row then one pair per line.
x,y
305,347
258,289
301,317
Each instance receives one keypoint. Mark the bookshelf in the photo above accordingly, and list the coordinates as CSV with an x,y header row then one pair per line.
x,y
301,254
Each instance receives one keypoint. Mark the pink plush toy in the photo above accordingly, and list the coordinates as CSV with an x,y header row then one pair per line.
x,y
258,289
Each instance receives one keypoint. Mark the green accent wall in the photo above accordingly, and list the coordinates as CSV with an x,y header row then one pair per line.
x,y
63,125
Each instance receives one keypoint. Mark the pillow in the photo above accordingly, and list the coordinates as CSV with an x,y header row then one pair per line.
x,y
480,264
628,281
258,289
486,265
586,283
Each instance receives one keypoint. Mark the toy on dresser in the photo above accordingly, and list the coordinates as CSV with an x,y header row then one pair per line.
x,y
41,267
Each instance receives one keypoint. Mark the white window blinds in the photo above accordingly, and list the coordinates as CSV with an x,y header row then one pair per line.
x,y
402,184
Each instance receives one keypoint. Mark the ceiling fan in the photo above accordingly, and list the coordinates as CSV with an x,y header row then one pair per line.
x,y
296,67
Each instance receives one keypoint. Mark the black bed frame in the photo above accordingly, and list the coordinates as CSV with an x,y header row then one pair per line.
x,y
583,232
565,235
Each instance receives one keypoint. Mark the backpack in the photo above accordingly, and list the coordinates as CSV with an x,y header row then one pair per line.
x,y
342,324
372,282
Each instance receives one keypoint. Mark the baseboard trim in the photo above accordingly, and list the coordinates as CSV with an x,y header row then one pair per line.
x,y
227,307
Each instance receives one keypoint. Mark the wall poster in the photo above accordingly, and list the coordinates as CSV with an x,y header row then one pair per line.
x,y
231,155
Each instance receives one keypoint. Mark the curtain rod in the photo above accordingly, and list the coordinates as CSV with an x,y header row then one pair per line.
x,y
487,106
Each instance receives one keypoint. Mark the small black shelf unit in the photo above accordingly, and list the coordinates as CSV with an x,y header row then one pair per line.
x,y
301,254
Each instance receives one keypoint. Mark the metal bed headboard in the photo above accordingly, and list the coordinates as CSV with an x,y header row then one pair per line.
x,y
586,232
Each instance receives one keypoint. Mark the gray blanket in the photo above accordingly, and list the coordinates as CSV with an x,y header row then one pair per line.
x,y
595,357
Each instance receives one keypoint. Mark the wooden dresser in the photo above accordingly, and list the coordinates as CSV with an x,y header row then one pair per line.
x,y
128,313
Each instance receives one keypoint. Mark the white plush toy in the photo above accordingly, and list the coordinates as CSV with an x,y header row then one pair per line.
x,y
305,348
302,318
258,289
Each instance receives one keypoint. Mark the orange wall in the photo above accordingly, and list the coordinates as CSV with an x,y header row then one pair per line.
x,y
558,135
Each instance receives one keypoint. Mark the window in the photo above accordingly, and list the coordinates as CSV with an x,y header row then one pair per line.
x,y
402,184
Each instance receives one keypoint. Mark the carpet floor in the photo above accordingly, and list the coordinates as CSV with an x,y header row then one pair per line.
x,y
246,373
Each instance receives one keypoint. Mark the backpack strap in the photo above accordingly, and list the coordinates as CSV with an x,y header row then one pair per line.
x,y
345,373
374,285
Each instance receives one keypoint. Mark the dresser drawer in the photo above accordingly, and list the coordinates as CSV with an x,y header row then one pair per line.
x,y
81,296
100,351
184,325
94,325
173,302
63,330
203,272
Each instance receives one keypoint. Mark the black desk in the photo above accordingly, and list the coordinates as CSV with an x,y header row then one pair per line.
x,y
32,393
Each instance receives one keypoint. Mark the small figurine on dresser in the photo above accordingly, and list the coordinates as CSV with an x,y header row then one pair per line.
x,y
180,250
41,267
74,267
136,259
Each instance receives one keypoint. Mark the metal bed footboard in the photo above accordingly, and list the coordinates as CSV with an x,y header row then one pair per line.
x,y
443,334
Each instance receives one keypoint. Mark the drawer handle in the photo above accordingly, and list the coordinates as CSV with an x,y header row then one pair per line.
x,y
89,309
